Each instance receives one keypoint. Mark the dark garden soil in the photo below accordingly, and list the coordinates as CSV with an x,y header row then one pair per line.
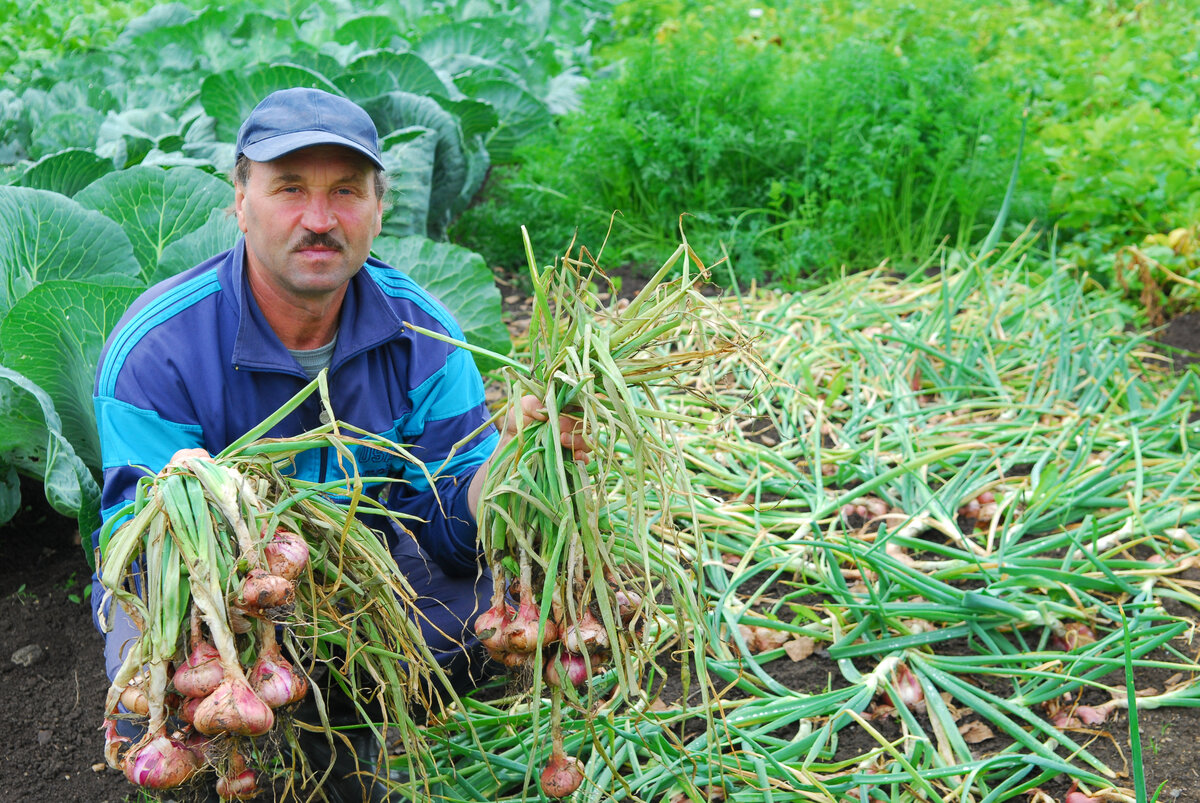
x,y
52,683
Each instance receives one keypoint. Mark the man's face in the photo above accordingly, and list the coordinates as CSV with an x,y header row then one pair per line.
x,y
309,218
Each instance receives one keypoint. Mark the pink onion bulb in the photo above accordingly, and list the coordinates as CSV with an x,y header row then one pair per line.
x,y
201,673
275,680
286,554
562,776
239,782
522,632
233,708
586,635
489,627
263,591
160,763
565,667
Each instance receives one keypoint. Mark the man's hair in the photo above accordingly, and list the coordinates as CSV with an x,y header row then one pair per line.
x,y
241,175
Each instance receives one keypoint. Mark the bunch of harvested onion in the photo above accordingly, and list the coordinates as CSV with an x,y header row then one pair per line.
x,y
578,543
214,558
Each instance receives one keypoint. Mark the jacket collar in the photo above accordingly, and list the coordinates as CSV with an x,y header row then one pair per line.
x,y
367,320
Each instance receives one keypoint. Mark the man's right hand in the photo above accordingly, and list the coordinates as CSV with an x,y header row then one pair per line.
x,y
186,454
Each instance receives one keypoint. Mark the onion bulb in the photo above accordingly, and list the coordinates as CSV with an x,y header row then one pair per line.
x,y
159,763
908,686
566,668
233,708
272,677
263,591
489,627
200,673
562,776
586,635
521,634
629,604
238,782
134,698
286,554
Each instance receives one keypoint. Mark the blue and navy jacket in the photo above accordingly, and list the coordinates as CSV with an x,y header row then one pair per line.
x,y
193,363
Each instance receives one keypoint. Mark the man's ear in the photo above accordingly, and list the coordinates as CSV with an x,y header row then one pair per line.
x,y
239,199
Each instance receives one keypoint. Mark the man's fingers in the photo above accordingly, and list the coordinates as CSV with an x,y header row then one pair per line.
x,y
532,408
571,434
185,454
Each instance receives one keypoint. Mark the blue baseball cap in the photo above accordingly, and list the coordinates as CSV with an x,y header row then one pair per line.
x,y
291,119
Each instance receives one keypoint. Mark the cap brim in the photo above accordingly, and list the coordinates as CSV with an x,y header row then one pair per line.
x,y
272,148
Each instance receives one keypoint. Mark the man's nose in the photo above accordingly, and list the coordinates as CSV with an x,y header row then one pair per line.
x,y
318,215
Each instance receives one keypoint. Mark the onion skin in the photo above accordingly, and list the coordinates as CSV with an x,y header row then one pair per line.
x,y
160,763
567,668
286,554
521,634
586,635
263,591
240,621
233,708
201,673
239,783
112,743
490,625
562,776
274,679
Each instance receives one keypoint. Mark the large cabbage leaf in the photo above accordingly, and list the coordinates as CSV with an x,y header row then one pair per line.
x,y
521,115
54,336
408,155
400,110
66,172
48,236
155,207
371,31
461,280
230,96
381,71
219,233
32,443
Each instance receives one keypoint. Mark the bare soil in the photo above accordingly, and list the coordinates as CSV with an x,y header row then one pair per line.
x,y
52,683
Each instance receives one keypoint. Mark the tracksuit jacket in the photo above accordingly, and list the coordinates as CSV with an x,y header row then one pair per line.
x,y
193,363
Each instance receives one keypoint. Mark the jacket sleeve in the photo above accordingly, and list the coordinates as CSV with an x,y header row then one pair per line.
x,y
446,432
138,438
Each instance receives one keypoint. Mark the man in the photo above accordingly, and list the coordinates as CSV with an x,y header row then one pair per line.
x,y
202,358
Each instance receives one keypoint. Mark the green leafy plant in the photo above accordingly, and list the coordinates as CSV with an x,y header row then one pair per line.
x,y
849,156
115,165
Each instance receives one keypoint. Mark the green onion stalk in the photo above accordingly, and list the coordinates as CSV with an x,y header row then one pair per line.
x,y
930,522
225,563
598,581
937,517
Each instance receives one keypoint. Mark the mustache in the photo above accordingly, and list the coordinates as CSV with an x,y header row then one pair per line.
x,y
318,240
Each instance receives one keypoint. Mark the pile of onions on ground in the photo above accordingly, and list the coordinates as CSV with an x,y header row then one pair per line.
x,y
213,569
587,578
